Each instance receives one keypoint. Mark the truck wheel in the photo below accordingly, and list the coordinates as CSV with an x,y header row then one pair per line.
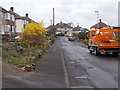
x,y
115,53
96,51
90,52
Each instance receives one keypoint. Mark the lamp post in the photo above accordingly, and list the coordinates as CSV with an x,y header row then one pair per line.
x,y
97,15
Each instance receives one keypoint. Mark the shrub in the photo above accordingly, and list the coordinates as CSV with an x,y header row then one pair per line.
x,y
60,34
82,35
5,38
33,34
86,41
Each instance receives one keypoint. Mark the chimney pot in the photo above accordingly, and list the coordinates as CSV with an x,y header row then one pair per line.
x,y
12,8
100,20
26,14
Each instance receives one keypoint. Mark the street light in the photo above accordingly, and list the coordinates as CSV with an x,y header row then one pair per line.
x,y
97,15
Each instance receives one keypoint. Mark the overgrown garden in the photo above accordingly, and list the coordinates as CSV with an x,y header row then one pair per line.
x,y
24,50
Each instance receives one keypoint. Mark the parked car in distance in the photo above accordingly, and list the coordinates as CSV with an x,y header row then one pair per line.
x,y
71,39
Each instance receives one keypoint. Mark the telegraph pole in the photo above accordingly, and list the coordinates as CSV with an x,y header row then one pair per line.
x,y
53,17
54,22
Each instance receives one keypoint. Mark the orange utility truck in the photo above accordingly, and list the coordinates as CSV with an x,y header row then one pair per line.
x,y
104,41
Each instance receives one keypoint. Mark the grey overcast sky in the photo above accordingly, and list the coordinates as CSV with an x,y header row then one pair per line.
x,y
75,11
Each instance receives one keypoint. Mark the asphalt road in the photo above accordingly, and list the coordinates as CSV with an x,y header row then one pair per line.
x,y
86,70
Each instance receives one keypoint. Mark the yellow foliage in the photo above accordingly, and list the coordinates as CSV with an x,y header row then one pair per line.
x,y
34,33
34,28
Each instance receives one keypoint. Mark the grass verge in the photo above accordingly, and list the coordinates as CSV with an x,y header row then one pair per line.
x,y
15,58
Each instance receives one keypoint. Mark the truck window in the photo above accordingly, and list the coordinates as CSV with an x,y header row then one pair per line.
x,y
117,34
106,32
87,35
93,33
97,31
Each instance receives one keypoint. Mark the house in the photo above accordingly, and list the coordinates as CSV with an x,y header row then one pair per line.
x,y
61,28
84,30
20,21
51,29
12,23
100,24
64,28
7,22
78,29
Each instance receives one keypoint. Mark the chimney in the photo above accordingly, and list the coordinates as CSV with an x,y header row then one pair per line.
x,y
100,20
26,14
11,8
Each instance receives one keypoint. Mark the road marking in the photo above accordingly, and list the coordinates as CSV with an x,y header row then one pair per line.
x,y
71,67
82,77
72,62
65,44
81,87
65,70
90,67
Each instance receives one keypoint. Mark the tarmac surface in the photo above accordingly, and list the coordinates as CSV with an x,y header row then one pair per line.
x,y
86,70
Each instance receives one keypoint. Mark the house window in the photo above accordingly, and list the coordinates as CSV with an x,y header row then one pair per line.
x,y
25,22
65,32
13,28
2,29
93,33
65,28
7,28
117,34
12,18
7,16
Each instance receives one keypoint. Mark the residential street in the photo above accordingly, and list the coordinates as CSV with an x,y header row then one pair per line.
x,y
68,64
60,44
